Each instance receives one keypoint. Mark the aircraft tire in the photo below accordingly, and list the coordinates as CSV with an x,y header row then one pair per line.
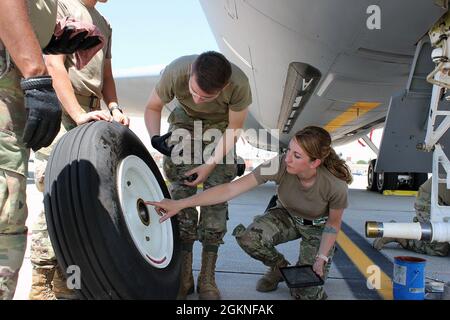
x,y
372,177
419,179
387,181
112,247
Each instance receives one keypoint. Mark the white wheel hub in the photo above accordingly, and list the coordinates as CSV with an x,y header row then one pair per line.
x,y
136,184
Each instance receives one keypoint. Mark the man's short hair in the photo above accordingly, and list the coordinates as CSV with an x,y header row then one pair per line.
x,y
212,71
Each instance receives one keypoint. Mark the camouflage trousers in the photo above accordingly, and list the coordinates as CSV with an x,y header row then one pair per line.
x,y
42,254
423,214
13,182
13,232
210,228
277,226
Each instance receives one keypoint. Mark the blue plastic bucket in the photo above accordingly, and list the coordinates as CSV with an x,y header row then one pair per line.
x,y
409,279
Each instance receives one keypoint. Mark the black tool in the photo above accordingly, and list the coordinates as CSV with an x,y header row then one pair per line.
x,y
301,276
192,177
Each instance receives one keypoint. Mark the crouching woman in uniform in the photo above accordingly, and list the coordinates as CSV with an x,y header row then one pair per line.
x,y
312,195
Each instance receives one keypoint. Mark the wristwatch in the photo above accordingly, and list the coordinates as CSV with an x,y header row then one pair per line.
x,y
114,108
322,256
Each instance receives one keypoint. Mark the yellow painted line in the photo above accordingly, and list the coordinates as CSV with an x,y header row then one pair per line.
x,y
354,112
363,262
406,193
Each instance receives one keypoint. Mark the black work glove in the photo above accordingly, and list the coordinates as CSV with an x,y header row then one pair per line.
x,y
66,45
43,112
160,144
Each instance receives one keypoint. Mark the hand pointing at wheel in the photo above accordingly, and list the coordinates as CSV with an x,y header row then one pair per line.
x,y
166,208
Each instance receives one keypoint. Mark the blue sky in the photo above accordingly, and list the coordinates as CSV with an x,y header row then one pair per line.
x,y
155,32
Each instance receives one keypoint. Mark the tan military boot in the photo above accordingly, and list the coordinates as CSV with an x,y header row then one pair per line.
x,y
379,243
271,278
41,284
187,278
206,282
60,286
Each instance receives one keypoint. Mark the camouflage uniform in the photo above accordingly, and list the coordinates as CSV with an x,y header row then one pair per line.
x,y
277,226
423,213
211,228
13,154
13,182
87,84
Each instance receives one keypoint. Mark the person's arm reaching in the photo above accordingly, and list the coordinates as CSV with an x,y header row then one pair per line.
x,y
66,94
110,94
329,235
18,36
41,104
218,194
227,141
224,146
152,114
152,117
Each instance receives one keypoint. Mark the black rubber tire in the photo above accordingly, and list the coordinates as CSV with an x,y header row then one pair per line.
x,y
389,181
372,177
419,178
85,219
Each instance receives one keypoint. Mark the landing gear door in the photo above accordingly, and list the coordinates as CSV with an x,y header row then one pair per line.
x,y
405,128
406,122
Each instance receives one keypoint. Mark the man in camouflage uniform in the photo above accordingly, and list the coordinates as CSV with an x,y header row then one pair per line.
x,y
423,212
214,94
277,226
80,92
30,115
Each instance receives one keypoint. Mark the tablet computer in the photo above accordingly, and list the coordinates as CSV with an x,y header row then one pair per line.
x,y
301,276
